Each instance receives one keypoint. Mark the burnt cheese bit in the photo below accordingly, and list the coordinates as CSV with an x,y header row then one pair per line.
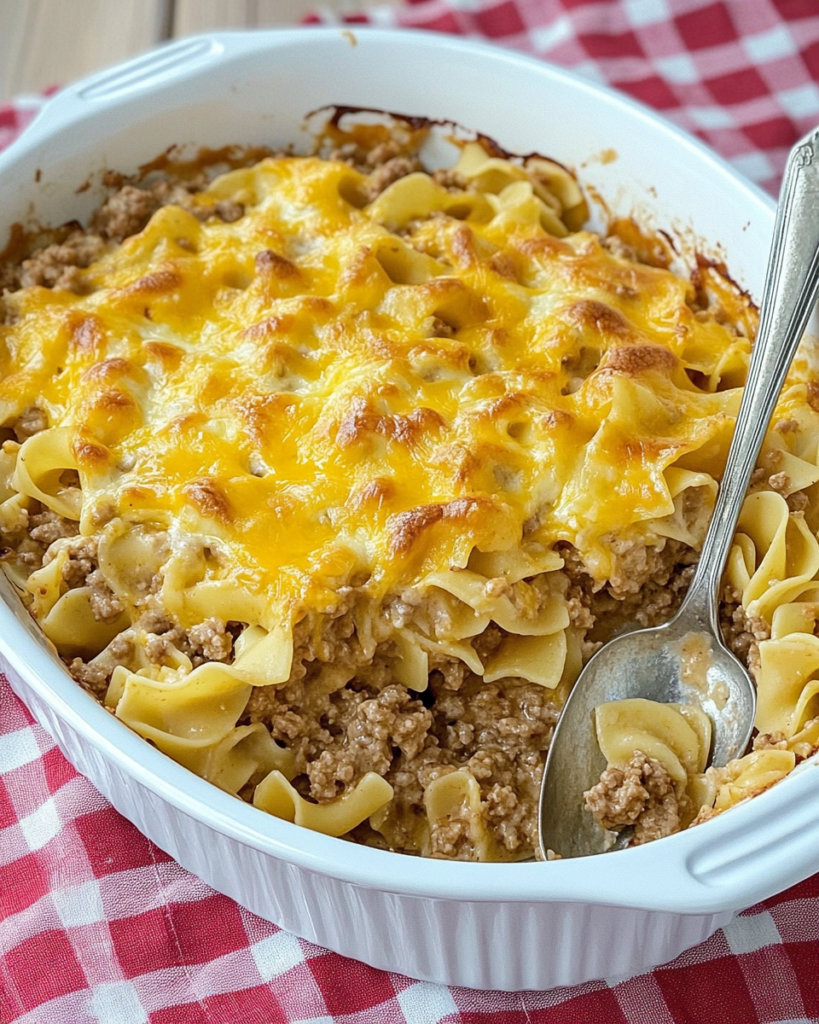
x,y
636,359
483,515
164,354
209,499
89,453
360,422
271,264
86,333
157,282
598,316
111,413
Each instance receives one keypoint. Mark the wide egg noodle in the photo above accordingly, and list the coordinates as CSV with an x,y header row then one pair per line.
x,y
676,735
74,629
787,683
8,461
278,797
411,667
46,584
475,591
266,661
417,195
457,795
41,462
798,617
537,659
246,752
186,715
693,495
785,559
193,589
751,775
131,557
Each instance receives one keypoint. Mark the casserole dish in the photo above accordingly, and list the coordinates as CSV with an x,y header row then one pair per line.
x,y
562,922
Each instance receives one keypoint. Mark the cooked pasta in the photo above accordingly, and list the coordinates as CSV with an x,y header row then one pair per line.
x,y
771,576
326,475
656,754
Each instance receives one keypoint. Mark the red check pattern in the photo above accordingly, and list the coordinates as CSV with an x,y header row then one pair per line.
x,y
15,117
98,926
741,74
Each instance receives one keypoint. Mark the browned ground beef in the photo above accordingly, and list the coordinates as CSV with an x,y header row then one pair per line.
x,y
105,605
387,173
125,213
641,794
369,731
46,527
499,733
81,561
57,266
742,633
647,587
211,640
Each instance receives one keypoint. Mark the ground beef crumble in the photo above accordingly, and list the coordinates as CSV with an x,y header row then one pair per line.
x,y
211,641
646,588
387,173
105,605
125,213
57,266
46,527
741,632
641,794
375,730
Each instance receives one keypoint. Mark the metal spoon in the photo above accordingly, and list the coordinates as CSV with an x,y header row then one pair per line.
x,y
651,663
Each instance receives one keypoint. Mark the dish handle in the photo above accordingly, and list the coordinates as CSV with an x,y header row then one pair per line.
x,y
140,77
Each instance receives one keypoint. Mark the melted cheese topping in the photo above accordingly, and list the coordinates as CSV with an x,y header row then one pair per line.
x,y
328,386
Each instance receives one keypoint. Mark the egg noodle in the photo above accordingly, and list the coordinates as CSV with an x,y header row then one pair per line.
x,y
327,475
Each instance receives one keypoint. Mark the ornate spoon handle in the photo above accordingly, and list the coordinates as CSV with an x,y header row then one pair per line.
x,y
792,282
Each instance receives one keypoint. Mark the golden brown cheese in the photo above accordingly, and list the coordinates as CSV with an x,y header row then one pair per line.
x,y
325,386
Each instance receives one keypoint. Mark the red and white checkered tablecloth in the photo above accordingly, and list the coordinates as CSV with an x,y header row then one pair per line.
x,y
741,74
98,926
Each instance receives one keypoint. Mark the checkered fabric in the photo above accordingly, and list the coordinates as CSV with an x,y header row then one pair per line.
x,y
741,74
15,117
98,926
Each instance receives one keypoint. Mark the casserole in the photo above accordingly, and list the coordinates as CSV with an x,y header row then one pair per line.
x,y
363,902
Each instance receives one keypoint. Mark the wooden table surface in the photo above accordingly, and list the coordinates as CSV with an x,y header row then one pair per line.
x,y
53,42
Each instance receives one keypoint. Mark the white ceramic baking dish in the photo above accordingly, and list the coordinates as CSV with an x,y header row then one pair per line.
x,y
521,926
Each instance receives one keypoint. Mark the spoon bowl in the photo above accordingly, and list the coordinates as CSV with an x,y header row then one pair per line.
x,y
678,662
685,660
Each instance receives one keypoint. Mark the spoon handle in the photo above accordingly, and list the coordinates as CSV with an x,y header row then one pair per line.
x,y
791,285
